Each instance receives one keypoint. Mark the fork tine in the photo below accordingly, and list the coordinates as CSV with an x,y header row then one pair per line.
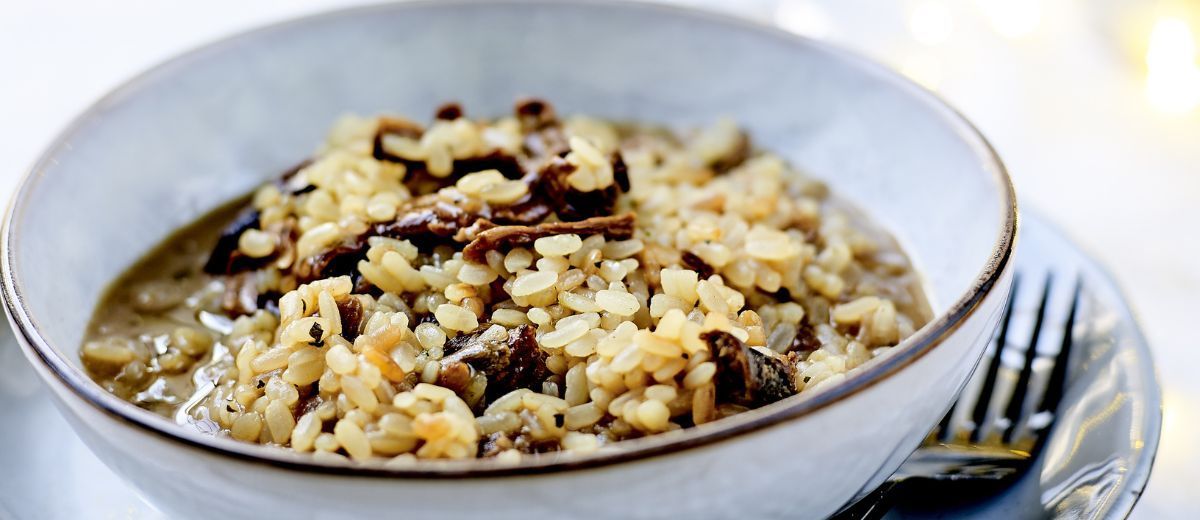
x,y
989,381
1056,385
943,427
1016,403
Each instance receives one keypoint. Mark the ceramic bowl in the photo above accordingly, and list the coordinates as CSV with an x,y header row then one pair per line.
x,y
207,126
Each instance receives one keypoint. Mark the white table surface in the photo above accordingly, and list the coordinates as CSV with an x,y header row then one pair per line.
x,y
1064,103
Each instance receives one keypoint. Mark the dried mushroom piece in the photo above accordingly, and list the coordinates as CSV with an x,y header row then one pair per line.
x,y
425,220
544,136
448,111
806,339
526,367
432,219
748,376
397,126
351,313
510,361
225,257
695,263
572,204
288,182
500,238
529,210
341,259
418,180
241,294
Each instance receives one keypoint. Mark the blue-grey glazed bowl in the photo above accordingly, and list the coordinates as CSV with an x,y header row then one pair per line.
x,y
207,126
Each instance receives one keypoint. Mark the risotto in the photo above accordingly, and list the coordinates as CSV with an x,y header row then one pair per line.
x,y
503,288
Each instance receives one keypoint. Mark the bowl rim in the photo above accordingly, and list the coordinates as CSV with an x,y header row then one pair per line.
x,y
68,374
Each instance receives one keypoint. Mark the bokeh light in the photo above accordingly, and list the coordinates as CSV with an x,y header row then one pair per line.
x,y
930,22
1172,77
803,17
1012,18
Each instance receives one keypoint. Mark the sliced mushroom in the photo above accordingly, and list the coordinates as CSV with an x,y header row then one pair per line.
x,y
500,238
351,313
225,257
425,220
510,362
448,111
748,376
241,295
418,180
289,183
806,339
341,259
572,204
695,263
544,136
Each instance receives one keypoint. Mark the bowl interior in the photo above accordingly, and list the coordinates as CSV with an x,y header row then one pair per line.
x,y
189,135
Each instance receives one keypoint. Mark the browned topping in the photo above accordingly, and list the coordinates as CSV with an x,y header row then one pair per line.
x,y
747,376
351,311
695,263
506,237
449,111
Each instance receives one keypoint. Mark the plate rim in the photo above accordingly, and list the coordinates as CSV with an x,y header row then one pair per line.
x,y
1133,487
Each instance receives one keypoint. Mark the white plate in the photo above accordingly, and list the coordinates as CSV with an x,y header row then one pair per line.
x,y
1095,465
1098,456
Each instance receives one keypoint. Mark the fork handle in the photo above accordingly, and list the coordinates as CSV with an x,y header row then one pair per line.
x,y
875,505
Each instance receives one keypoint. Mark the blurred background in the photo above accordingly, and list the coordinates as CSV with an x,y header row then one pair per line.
x,y
1094,106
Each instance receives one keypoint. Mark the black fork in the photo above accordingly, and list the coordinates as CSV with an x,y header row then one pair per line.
x,y
964,445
